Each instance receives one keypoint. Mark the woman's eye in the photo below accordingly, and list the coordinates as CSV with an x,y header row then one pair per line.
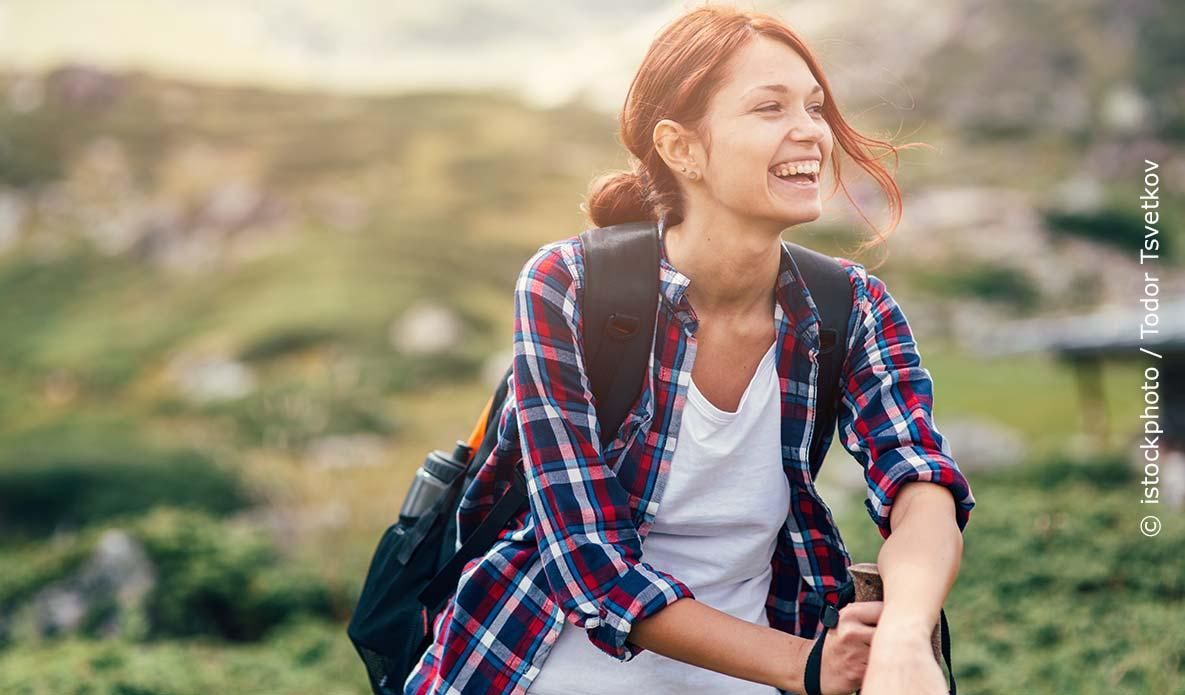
x,y
816,108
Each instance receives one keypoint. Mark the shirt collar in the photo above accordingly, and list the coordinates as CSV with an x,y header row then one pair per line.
x,y
792,293
673,283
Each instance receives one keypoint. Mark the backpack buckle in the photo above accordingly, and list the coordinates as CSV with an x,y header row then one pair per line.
x,y
830,616
827,339
621,326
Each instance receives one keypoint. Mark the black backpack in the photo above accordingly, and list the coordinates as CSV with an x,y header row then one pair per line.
x,y
414,569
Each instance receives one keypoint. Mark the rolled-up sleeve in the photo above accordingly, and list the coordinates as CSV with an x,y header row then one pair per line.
x,y
886,416
590,549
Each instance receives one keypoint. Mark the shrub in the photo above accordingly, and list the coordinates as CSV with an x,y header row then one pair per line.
x,y
987,282
31,149
1120,228
41,492
216,579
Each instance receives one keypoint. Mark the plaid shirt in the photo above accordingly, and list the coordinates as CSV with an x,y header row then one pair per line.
x,y
575,555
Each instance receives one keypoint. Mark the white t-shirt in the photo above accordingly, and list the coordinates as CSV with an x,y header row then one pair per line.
x,y
725,500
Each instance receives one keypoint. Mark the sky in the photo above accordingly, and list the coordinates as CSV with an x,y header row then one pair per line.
x,y
548,52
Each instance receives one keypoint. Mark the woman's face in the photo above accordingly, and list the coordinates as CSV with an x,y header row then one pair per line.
x,y
769,111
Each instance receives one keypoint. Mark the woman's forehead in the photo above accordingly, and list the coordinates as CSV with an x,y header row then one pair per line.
x,y
764,63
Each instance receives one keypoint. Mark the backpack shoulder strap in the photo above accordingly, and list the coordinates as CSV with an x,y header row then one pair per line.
x,y
619,306
831,291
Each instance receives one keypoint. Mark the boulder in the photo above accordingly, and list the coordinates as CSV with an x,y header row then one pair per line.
x,y
104,598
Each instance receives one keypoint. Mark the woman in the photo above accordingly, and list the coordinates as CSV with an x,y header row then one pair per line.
x,y
679,559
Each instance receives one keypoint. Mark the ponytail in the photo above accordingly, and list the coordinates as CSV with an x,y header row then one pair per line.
x,y
617,197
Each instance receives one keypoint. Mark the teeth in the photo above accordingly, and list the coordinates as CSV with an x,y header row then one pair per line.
x,y
783,170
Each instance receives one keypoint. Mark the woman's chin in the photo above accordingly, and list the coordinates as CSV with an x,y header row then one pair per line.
x,y
800,213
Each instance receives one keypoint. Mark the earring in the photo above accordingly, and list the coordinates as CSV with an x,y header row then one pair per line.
x,y
683,169
693,175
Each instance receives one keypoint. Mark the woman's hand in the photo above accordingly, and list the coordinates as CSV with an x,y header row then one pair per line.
x,y
846,649
902,662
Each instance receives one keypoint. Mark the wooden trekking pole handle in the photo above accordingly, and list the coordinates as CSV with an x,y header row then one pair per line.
x,y
869,587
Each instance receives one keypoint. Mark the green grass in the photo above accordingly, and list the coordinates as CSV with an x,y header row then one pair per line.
x,y
1034,394
306,658
1058,591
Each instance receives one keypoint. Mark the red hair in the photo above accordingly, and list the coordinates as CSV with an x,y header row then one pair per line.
x,y
683,66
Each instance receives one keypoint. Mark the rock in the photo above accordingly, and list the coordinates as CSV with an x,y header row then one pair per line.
x,y
13,210
1080,194
1173,476
494,367
981,444
233,205
60,388
1124,109
204,379
347,450
426,329
1169,476
26,94
103,598
84,87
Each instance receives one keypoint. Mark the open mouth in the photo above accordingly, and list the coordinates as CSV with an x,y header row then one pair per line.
x,y
807,180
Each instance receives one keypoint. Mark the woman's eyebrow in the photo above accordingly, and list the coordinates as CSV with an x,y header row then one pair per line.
x,y
781,88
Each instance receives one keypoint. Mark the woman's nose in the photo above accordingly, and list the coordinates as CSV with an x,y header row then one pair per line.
x,y
807,128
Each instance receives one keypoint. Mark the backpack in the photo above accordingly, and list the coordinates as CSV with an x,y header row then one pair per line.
x,y
415,569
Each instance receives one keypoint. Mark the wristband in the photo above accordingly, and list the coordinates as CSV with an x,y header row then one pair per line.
x,y
814,662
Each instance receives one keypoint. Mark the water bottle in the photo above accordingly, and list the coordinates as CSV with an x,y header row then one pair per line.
x,y
432,479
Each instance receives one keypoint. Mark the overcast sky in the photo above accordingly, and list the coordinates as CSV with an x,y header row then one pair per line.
x,y
547,51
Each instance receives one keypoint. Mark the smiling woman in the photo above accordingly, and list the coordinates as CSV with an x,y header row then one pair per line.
x,y
688,552
740,85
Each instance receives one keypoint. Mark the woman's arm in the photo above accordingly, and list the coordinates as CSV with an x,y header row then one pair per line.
x,y
588,542
696,633
886,414
917,495
918,564
920,560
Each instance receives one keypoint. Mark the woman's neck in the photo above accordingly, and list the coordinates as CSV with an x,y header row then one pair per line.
x,y
733,272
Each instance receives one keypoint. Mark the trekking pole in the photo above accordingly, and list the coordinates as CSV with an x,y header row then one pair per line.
x,y
869,587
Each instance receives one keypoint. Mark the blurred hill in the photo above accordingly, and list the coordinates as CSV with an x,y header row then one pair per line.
x,y
260,272
236,269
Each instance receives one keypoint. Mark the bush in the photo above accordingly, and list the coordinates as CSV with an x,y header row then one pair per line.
x,y
987,282
286,342
1120,228
1104,471
31,149
215,579
25,570
41,492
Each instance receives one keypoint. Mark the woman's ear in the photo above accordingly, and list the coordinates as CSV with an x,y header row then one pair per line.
x,y
675,144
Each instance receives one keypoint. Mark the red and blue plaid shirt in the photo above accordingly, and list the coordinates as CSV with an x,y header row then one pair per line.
x,y
574,555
